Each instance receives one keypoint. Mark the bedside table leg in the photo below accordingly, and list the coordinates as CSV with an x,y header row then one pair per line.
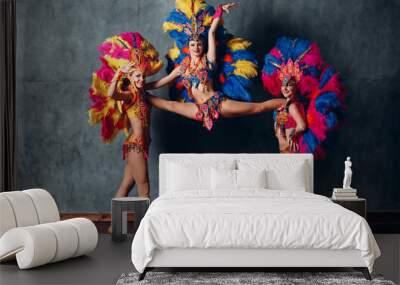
x,y
364,271
116,221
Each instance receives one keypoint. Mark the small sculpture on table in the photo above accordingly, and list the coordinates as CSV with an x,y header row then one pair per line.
x,y
348,173
347,192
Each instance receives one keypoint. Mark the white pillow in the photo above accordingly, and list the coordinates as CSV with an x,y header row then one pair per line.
x,y
185,174
281,174
292,179
251,178
228,179
182,177
223,179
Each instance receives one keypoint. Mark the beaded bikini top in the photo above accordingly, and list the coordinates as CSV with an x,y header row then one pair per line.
x,y
137,107
202,72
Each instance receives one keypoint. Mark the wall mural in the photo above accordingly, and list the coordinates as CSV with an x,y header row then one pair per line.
x,y
57,149
210,71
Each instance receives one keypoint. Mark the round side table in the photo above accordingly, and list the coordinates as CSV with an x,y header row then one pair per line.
x,y
119,214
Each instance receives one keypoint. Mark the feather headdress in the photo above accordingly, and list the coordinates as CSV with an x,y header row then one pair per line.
x,y
115,52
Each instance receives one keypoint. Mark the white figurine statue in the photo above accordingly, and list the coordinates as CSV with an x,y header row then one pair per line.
x,y
347,174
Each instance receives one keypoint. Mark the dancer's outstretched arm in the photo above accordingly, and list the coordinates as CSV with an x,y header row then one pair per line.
x,y
165,80
212,54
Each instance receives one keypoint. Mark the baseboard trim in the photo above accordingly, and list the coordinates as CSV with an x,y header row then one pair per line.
x,y
102,221
94,217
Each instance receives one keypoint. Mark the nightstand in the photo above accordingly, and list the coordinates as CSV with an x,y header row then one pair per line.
x,y
357,205
119,214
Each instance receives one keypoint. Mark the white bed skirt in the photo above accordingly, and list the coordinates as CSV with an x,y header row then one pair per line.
x,y
192,257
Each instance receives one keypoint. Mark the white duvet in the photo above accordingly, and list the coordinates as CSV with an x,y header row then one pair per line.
x,y
253,218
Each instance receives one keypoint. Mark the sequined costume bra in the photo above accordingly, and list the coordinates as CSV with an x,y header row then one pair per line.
x,y
202,72
136,107
140,109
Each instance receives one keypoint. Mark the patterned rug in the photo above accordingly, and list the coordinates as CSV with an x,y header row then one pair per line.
x,y
243,278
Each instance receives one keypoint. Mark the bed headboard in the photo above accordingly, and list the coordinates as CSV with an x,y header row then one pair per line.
x,y
210,157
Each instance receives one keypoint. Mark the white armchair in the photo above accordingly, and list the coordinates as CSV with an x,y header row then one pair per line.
x,y
31,230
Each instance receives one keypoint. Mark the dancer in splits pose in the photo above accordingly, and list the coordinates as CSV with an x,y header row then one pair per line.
x,y
204,57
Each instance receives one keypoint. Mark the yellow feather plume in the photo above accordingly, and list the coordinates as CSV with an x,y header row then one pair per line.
x,y
238,43
154,67
245,69
168,26
116,40
115,63
100,88
186,6
151,54
207,20
94,117
173,52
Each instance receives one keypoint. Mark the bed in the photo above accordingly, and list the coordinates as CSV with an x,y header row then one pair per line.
x,y
247,210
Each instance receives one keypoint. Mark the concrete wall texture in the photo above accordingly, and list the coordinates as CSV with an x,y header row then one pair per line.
x,y
56,54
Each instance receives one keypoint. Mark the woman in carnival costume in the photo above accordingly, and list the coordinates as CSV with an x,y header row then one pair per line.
x,y
314,97
199,67
120,102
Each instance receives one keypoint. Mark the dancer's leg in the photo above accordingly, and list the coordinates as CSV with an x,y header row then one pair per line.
x,y
187,110
126,186
232,108
127,182
138,165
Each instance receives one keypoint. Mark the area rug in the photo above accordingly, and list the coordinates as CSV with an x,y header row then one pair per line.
x,y
243,278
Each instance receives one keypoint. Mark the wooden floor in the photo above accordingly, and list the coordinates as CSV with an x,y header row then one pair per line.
x,y
103,266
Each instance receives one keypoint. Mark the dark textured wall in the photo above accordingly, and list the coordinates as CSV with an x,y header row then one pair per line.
x,y
57,42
